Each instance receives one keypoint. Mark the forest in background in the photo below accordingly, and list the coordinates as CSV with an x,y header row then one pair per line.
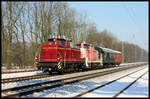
x,y
26,26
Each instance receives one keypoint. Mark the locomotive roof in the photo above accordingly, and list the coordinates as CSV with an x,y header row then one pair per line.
x,y
109,50
85,43
59,38
55,38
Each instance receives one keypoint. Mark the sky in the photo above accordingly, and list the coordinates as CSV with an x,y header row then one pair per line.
x,y
128,21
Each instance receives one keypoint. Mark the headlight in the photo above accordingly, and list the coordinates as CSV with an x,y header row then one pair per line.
x,y
49,69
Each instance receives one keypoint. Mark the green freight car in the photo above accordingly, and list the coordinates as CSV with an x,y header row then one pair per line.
x,y
109,56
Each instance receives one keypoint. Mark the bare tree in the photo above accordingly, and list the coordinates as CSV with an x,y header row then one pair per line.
x,y
83,27
22,24
13,12
26,26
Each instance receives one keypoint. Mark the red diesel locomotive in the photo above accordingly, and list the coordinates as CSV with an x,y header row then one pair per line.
x,y
60,55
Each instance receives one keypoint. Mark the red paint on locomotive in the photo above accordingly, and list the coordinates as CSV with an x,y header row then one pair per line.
x,y
91,53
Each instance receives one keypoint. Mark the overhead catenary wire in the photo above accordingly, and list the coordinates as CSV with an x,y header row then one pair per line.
x,y
132,16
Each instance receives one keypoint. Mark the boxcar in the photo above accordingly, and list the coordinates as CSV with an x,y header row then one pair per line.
x,y
118,58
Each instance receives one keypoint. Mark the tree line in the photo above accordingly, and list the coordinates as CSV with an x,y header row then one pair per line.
x,y
26,26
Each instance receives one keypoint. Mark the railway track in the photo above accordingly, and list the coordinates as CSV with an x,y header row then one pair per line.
x,y
29,89
15,79
8,80
108,83
18,71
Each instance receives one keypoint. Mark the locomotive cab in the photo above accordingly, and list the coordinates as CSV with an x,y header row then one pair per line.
x,y
50,50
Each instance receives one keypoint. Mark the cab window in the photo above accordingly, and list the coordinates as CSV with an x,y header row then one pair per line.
x,y
71,44
62,42
78,46
51,42
86,46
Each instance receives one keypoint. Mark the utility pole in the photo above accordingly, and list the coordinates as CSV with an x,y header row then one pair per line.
x,y
135,53
135,49
122,52
141,55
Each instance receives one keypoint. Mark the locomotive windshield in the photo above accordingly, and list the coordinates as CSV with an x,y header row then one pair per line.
x,y
51,42
78,46
71,44
86,46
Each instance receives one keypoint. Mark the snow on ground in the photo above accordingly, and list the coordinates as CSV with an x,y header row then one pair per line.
x,y
114,88
139,89
71,90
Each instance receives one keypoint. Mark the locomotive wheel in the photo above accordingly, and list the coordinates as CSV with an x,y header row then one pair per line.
x,y
50,72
